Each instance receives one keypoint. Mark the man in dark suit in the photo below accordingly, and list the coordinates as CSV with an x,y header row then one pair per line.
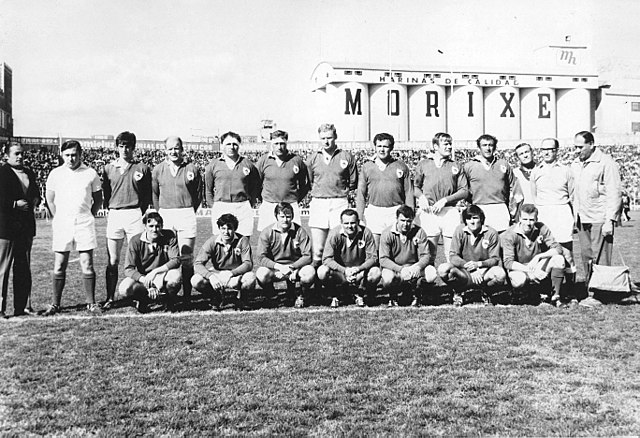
x,y
18,196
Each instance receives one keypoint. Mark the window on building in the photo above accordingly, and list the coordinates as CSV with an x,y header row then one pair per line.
x,y
635,127
635,106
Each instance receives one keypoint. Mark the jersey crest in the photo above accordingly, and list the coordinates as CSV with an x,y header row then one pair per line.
x,y
455,170
485,243
296,169
400,173
190,176
344,164
361,244
137,175
246,171
237,252
416,241
296,244
503,168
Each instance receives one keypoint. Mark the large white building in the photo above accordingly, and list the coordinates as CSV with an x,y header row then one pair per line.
x,y
559,94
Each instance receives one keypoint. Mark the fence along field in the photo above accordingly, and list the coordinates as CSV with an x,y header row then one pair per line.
x,y
517,370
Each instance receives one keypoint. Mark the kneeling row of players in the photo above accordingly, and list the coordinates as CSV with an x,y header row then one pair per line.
x,y
402,263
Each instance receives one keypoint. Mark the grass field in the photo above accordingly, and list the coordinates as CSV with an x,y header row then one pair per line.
x,y
514,370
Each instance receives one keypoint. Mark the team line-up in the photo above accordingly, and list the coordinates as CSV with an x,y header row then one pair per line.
x,y
502,228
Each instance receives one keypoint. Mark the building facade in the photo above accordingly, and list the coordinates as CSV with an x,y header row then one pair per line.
x,y
6,103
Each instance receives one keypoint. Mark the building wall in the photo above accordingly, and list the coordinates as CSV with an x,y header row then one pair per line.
x,y
6,104
616,115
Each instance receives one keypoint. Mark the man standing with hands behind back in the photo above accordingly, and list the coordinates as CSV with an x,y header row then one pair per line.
x,y
18,196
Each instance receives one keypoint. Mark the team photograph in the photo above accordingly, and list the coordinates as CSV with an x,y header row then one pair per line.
x,y
421,239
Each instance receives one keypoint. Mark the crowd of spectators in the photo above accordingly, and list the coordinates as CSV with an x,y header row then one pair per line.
x,y
627,157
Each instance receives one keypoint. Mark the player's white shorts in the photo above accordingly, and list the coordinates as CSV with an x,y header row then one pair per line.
x,y
444,222
559,219
379,218
241,210
268,217
71,233
496,216
324,213
121,223
180,220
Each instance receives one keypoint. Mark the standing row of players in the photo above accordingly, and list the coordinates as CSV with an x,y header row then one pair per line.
x,y
233,184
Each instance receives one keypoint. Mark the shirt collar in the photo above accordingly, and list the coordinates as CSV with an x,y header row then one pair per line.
x,y
595,156
143,237
468,231
219,240
518,229
119,162
358,231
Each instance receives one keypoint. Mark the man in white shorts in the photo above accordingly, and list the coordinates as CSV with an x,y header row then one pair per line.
x,y
74,197
439,184
332,173
384,185
284,178
492,184
531,256
232,185
126,186
552,188
152,266
177,193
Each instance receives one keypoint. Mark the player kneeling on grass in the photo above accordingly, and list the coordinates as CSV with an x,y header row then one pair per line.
x,y
152,266
284,253
532,256
230,257
474,257
349,258
404,258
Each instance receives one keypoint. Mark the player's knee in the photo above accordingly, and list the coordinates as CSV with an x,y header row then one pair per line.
x,y
199,283
248,281
264,275
374,275
496,275
323,273
388,277
556,262
518,279
307,274
430,274
125,288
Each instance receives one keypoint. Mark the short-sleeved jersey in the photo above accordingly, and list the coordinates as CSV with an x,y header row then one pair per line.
x,y
291,247
341,252
183,190
467,247
234,256
389,187
491,183
333,178
144,256
518,247
286,183
523,175
446,181
552,184
398,250
73,190
126,186
231,185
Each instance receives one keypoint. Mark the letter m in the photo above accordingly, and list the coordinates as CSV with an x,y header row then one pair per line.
x,y
353,106
567,55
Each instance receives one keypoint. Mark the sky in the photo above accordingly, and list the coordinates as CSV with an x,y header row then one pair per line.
x,y
200,68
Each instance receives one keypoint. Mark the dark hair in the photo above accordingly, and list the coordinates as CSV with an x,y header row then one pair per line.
x,y
473,210
521,145
529,209
228,219
384,136
126,137
6,147
350,212
283,207
232,135
587,136
487,137
555,141
279,134
441,136
405,211
152,215
71,144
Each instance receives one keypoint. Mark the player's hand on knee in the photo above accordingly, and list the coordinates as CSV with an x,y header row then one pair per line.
x,y
471,266
477,277
224,277
539,275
